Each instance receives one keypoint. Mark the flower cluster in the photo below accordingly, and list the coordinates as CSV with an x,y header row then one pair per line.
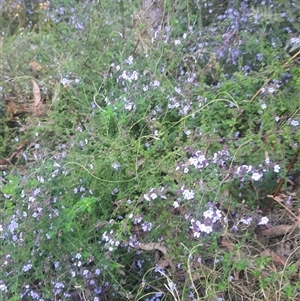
x,y
154,194
210,218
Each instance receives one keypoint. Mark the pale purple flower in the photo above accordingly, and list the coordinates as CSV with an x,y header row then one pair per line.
x,y
59,285
137,220
27,267
12,226
198,160
116,166
259,56
129,61
147,226
85,273
56,264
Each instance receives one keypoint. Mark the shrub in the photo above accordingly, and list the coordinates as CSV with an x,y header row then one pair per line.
x,y
146,175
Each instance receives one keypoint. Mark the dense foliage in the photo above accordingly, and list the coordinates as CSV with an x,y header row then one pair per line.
x,y
162,128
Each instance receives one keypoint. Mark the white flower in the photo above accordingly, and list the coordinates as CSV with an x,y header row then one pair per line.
x,y
246,221
153,196
208,214
129,106
175,204
263,221
256,176
214,216
129,61
294,123
147,226
197,234
178,90
188,194
206,229
177,42
156,83
276,168
40,179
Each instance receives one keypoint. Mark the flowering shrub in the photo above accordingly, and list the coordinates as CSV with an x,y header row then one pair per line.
x,y
148,177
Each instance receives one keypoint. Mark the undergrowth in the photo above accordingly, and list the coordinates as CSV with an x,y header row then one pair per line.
x,y
164,132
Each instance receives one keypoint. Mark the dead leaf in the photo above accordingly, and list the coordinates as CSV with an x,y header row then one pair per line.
x,y
268,253
36,93
140,162
152,246
35,66
276,230
36,98
11,109
4,162
21,145
228,245
163,263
